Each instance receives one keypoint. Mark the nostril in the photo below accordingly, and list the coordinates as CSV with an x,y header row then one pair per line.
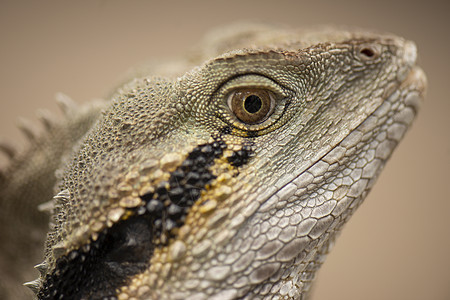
x,y
368,52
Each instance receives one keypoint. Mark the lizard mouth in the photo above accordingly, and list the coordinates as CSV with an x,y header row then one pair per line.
x,y
415,81
411,77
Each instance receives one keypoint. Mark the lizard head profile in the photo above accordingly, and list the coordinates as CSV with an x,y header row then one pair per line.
x,y
231,179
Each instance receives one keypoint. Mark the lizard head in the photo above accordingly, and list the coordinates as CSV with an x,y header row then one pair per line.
x,y
232,179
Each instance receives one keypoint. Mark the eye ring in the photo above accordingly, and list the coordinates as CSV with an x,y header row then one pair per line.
x,y
251,105
248,116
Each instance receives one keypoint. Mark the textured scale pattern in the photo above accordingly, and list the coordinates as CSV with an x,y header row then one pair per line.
x,y
171,194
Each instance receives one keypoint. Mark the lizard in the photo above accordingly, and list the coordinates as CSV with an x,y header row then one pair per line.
x,y
226,174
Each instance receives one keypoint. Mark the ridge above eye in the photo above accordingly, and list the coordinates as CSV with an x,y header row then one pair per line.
x,y
251,105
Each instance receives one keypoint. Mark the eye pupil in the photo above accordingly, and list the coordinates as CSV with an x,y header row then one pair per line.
x,y
250,105
253,104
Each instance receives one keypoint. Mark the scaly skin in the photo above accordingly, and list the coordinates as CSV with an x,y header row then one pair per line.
x,y
232,179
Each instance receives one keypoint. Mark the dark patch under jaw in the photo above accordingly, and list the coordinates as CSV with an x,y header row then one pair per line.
x,y
97,269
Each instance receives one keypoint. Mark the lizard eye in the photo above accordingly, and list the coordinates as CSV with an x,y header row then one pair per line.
x,y
251,105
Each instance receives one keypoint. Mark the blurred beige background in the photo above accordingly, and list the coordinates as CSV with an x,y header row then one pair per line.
x,y
397,244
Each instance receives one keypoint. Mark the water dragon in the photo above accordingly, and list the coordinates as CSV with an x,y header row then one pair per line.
x,y
225,174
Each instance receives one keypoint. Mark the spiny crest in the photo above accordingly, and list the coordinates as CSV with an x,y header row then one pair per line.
x,y
66,103
46,118
34,285
59,249
10,152
28,128
57,201
8,149
42,268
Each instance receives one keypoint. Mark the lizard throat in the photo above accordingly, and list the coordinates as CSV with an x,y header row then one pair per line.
x,y
125,249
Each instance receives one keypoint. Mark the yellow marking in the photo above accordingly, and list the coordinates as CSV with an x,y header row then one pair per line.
x,y
130,202
115,214
171,161
194,230
208,206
